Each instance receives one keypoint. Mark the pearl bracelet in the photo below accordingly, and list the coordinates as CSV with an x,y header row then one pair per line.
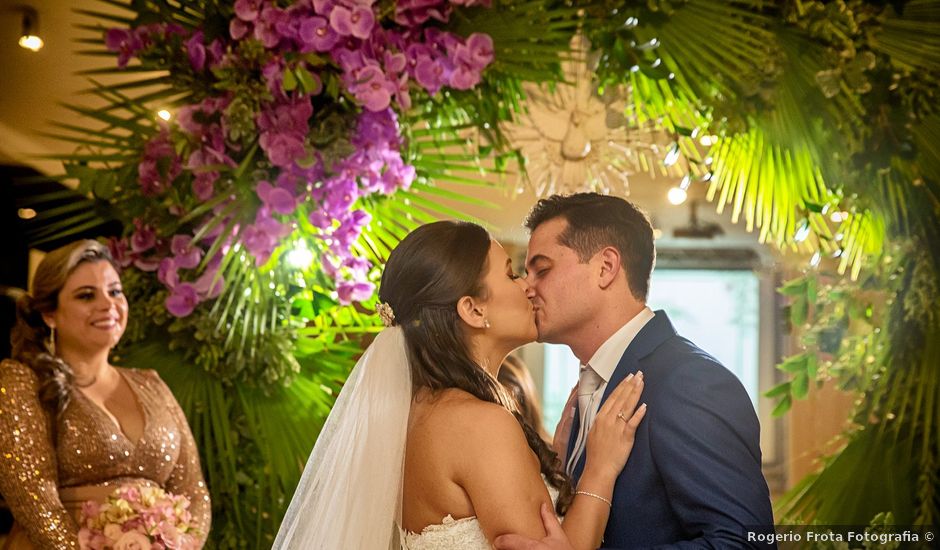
x,y
598,497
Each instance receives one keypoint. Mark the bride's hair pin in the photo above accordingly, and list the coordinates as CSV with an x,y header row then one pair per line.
x,y
385,312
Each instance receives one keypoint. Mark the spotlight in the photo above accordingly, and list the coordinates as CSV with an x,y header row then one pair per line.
x,y
164,114
29,37
677,196
300,257
26,213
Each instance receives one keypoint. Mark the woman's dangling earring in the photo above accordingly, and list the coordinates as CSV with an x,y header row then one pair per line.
x,y
51,344
486,323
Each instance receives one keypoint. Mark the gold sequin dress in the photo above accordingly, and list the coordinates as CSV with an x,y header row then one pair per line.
x,y
44,484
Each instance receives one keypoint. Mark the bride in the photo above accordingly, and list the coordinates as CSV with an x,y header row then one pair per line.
x,y
424,450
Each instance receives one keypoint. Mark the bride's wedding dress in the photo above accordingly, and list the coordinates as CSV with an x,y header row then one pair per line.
x,y
354,475
453,534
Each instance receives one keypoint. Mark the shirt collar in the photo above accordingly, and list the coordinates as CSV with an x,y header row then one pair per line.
x,y
607,356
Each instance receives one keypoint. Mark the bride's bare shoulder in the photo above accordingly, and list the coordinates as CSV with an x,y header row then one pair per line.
x,y
464,416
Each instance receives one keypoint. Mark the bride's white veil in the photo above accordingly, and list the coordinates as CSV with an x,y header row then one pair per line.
x,y
349,497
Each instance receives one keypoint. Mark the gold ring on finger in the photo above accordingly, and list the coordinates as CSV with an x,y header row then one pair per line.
x,y
621,416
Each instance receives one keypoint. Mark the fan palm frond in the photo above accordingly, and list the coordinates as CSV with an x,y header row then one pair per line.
x,y
910,38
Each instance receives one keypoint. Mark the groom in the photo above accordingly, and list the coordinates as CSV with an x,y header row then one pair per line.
x,y
694,477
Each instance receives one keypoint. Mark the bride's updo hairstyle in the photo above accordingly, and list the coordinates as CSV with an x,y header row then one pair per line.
x,y
30,336
426,275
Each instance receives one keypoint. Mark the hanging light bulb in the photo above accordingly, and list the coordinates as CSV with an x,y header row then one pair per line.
x,y
29,37
677,196
164,114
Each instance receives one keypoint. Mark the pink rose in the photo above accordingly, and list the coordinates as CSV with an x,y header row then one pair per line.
x,y
132,540
168,534
113,531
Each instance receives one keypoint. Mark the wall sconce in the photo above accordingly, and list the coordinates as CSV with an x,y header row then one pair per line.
x,y
29,37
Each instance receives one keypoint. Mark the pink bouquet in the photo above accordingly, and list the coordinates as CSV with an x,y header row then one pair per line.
x,y
137,518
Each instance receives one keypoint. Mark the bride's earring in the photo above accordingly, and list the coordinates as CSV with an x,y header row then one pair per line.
x,y
486,323
50,345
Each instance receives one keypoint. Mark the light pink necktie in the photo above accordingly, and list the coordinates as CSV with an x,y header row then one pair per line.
x,y
563,430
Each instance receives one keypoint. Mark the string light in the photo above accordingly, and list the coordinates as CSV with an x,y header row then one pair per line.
x,y
29,37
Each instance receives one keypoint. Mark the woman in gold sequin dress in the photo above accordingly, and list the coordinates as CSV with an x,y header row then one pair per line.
x,y
73,427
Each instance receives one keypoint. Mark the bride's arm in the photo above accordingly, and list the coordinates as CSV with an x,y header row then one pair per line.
x,y
609,444
500,473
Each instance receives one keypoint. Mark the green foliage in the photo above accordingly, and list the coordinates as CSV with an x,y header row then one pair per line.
x,y
256,368
819,108
878,338
816,107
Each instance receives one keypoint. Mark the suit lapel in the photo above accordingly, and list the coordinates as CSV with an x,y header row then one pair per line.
x,y
628,364
657,330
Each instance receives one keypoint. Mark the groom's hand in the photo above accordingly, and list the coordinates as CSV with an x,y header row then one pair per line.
x,y
554,540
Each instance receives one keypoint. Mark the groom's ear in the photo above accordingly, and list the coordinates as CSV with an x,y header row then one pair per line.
x,y
471,311
608,266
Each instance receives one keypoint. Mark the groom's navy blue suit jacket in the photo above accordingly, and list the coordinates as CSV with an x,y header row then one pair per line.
x,y
694,477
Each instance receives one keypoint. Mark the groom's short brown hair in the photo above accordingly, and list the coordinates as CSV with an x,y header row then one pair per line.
x,y
596,221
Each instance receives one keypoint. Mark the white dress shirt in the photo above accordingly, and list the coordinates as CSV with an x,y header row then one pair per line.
x,y
604,362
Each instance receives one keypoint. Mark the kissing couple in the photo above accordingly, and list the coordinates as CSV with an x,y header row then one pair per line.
x,y
425,450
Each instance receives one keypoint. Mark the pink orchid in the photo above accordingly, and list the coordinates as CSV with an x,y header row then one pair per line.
x,y
182,300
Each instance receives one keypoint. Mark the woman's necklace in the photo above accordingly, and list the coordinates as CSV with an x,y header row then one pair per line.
x,y
93,380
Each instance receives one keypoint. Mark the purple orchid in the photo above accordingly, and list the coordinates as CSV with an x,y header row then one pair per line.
x,y
120,251
481,50
278,199
323,7
354,291
144,238
411,13
266,26
124,41
316,33
204,185
320,219
284,129
430,74
185,255
147,264
248,10
372,88
168,273
182,300
210,284
196,51
357,22
238,29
